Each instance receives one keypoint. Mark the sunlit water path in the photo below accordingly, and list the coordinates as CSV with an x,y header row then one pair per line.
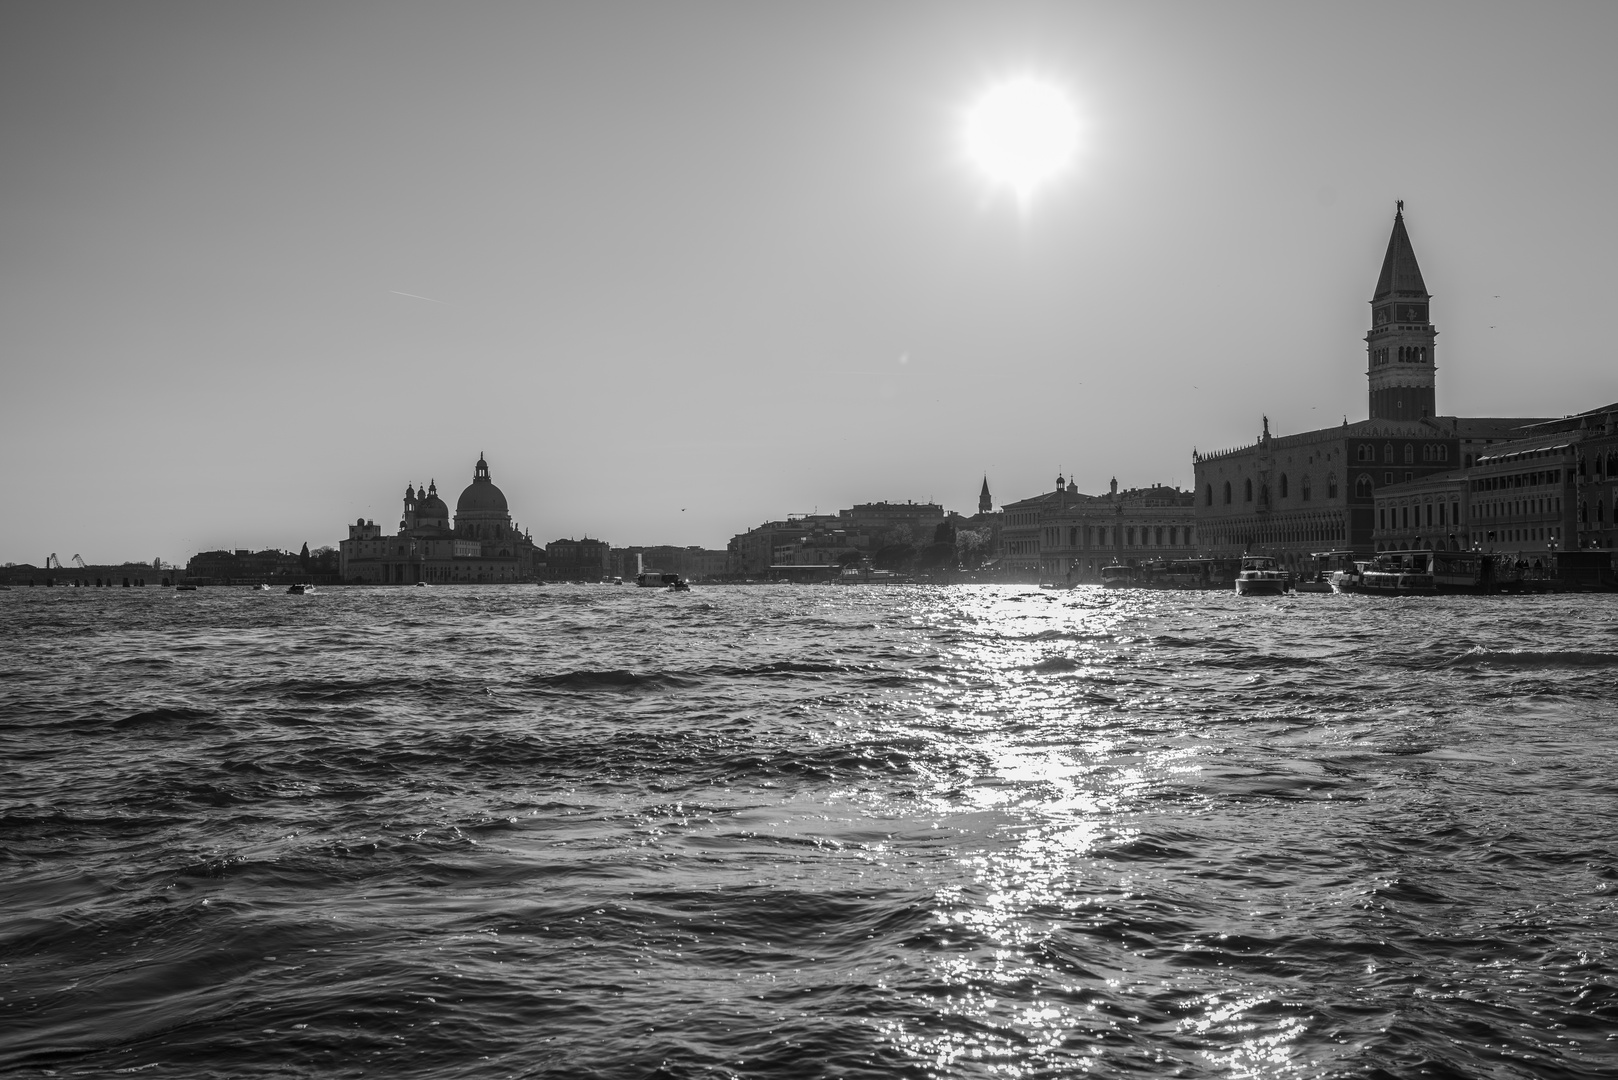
x,y
806,832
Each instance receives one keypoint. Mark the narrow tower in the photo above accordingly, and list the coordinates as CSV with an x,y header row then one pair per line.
x,y
1402,372
985,504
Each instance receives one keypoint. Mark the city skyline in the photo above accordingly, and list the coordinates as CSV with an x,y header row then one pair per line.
x,y
680,273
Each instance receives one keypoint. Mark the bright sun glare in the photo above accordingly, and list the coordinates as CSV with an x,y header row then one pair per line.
x,y
1021,133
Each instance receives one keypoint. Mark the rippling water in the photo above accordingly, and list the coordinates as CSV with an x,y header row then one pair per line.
x,y
805,832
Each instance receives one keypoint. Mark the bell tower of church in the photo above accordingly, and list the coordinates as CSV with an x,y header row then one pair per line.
x,y
1403,372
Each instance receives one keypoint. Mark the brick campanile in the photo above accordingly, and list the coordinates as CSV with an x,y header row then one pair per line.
x,y
1403,371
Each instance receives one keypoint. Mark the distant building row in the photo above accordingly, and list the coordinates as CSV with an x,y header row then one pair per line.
x,y
900,534
483,545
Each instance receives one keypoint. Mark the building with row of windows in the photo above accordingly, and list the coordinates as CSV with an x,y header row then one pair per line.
x,y
584,559
1552,488
1068,535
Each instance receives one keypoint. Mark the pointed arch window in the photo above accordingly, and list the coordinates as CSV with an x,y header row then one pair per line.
x,y
1283,485
1387,453
1248,496
1331,486
1305,492
1227,492
1362,486
1207,499
1410,454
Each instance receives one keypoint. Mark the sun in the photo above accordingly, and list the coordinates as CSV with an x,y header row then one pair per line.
x,y
1022,133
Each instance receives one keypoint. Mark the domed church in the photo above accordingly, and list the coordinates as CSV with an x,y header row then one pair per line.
x,y
481,546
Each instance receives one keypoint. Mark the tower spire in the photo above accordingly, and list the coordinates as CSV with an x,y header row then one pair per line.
x,y
1401,344
1400,276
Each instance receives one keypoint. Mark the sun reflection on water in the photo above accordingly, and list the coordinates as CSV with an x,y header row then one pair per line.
x,y
1054,939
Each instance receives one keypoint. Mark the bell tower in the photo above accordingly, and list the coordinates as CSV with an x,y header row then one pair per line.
x,y
1402,370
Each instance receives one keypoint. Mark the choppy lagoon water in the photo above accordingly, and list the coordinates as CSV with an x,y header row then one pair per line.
x,y
806,832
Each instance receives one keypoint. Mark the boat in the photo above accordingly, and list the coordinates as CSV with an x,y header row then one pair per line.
x,y
1319,573
185,588
300,590
422,585
1260,575
1119,576
1347,579
656,579
1399,573
679,584
261,588
858,574
1182,574
1436,573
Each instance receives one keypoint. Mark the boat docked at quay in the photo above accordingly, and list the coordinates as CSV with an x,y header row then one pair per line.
x,y
1320,572
1119,576
1437,573
1260,575
864,575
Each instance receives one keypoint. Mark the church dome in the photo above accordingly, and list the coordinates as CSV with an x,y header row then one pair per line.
x,y
481,496
433,507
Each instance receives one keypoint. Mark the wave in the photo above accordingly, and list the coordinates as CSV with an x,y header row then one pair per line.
x,y
625,679
157,718
612,679
1478,656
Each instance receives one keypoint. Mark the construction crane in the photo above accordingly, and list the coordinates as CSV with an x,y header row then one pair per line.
x,y
78,560
52,562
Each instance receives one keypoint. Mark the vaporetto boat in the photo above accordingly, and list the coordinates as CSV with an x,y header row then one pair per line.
x,y
1260,575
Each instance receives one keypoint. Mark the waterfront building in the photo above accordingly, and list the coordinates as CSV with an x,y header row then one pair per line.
x,y
1549,489
1523,495
1591,438
752,553
891,523
1432,512
243,567
1067,535
891,529
1596,481
1291,495
482,545
693,562
578,560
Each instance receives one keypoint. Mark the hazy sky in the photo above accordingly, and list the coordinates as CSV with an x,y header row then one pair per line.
x,y
690,266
